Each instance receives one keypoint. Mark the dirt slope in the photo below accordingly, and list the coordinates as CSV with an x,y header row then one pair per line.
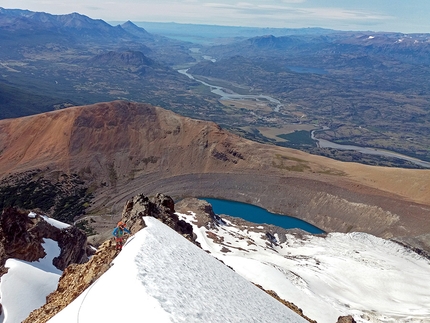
x,y
122,149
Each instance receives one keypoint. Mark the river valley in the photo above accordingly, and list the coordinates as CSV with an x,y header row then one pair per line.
x,y
229,95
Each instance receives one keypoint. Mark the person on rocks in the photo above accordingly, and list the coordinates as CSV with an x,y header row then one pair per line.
x,y
118,233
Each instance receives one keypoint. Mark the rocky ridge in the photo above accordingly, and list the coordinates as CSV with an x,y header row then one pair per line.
x,y
78,277
21,237
120,149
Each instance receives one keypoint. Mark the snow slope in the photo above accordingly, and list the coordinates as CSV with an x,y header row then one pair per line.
x,y
358,274
161,277
25,286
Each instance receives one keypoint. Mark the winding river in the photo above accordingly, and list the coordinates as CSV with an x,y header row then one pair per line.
x,y
368,150
227,94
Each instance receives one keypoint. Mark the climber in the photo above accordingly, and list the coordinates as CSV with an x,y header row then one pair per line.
x,y
118,233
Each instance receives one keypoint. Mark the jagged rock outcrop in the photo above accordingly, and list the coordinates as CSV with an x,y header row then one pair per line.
x,y
159,206
205,215
346,319
21,237
77,277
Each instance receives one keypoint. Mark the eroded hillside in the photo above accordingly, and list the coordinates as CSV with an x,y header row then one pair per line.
x,y
120,149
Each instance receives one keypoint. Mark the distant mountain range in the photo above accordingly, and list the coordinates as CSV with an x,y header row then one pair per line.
x,y
55,61
214,34
82,27
354,88
21,28
410,48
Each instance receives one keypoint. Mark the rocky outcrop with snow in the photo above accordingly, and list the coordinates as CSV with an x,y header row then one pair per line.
x,y
333,277
77,278
22,235
159,206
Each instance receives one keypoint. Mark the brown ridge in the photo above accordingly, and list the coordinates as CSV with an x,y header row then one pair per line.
x,y
122,149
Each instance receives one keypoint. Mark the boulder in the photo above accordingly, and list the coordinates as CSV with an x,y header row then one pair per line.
x,y
346,319
159,206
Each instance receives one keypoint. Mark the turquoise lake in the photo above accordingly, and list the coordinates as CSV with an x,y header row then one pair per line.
x,y
259,215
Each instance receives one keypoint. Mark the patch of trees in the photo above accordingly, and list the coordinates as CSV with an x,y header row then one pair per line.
x,y
63,199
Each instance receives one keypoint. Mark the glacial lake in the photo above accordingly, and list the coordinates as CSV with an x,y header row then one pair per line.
x,y
259,215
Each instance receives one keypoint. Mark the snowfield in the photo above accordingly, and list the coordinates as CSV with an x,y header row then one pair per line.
x,y
372,279
26,284
159,276
162,277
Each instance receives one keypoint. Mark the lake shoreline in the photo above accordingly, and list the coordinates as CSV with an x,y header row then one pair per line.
x,y
259,215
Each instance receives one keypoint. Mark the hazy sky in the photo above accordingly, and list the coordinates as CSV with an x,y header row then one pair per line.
x,y
376,15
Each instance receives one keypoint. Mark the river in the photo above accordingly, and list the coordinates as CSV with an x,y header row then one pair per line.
x,y
368,150
227,94
259,215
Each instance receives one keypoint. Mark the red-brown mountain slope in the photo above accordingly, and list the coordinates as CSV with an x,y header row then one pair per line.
x,y
121,149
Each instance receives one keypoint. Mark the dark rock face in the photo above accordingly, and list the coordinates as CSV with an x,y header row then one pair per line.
x,y
16,239
122,59
73,247
21,237
346,319
204,213
161,207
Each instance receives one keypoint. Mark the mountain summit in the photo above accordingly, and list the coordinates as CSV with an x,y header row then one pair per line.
x,y
136,30
24,21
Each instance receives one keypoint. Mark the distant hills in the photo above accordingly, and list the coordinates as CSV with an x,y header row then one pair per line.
x,y
73,59
410,48
354,88
127,59
365,89
81,27
215,34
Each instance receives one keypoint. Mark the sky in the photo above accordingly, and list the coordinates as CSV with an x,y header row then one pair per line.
x,y
407,16
162,277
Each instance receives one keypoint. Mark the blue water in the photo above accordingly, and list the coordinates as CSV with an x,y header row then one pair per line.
x,y
257,214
